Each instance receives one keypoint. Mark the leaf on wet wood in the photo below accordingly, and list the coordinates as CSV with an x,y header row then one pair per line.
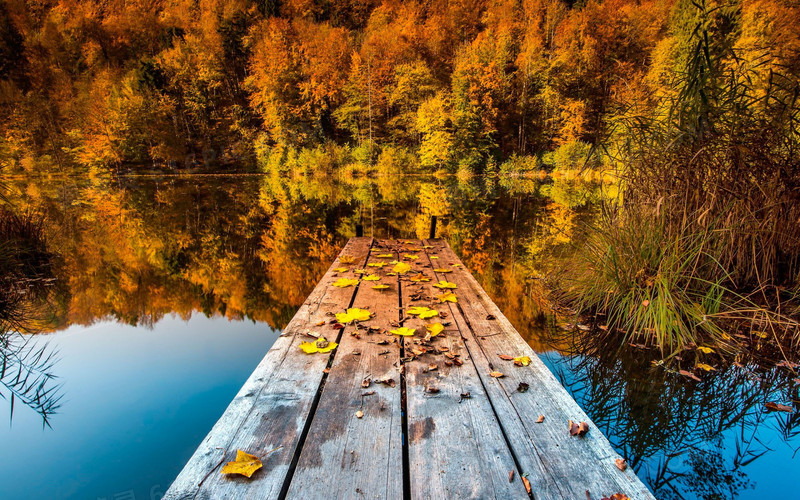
x,y
526,483
445,284
523,387
434,329
376,264
401,268
346,259
422,311
341,269
359,414
443,270
505,357
345,282
576,429
366,383
771,406
320,345
386,381
245,464
371,277
705,350
380,287
447,297
621,464
616,496
419,277
405,332
496,374
705,367
540,419
353,314
385,256
511,475
522,361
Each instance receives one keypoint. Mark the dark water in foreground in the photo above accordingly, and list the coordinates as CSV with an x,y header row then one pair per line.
x,y
171,289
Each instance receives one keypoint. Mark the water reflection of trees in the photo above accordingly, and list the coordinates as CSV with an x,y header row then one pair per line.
x,y
27,283
686,439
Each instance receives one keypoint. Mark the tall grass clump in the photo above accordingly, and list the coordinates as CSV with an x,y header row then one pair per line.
x,y
709,204
652,284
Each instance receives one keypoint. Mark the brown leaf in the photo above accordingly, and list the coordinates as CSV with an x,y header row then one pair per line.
x,y
511,475
690,375
576,429
778,407
505,357
366,383
540,419
616,496
496,374
368,393
432,389
432,367
338,326
523,387
621,464
359,414
490,317
386,381
527,484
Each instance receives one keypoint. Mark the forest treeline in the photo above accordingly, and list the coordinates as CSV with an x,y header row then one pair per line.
x,y
458,84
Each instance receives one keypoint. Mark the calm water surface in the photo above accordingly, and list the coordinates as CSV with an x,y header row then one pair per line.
x,y
170,290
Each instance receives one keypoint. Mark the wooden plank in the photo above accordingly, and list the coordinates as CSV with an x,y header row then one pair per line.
x,y
345,456
456,447
271,409
558,465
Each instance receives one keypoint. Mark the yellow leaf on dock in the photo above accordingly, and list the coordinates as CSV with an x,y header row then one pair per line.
x,y
345,282
245,464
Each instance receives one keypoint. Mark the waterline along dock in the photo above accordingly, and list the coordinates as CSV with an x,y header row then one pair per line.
x,y
448,411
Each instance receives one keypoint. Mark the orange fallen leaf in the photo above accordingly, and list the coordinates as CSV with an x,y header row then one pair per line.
x,y
505,357
245,464
527,484
577,429
621,464
540,419
496,374
359,414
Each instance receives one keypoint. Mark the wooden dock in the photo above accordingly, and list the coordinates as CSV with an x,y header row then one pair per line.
x,y
387,416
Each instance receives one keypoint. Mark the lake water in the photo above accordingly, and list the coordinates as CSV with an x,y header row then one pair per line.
x,y
170,289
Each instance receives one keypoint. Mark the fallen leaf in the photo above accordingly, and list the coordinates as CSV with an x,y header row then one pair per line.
x,y
380,287
353,314
496,374
523,387
705,350
359,271
386,381
443,270
705,367
432,367
616,496
371,277
366,383
420,277
359,414
645,303
245,464
511,476
689,374
341,269
337,326
411,256
490,317
577,429
405,332
505,357
445,284
447,297
401,268
320,345
434,256
376,264
346,259
522,361
435,329
778,407
540,419
345,282
422,311
432,389
621,464
385,256
527,484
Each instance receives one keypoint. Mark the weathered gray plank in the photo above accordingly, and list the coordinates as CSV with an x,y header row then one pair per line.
x,y
271,409
558,465
345,456
456,447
